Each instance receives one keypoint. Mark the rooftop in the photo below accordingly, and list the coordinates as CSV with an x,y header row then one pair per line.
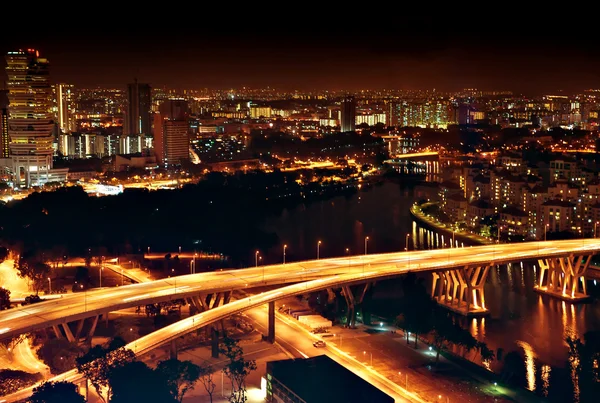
x,y
321,380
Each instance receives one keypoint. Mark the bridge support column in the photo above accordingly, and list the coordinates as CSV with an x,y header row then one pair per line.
x,y
214,342
564,277
90,334
461,290
271,335
68,332
173,350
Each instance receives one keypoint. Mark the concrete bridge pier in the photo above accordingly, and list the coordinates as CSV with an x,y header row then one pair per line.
x,y
352,302
461,290
271,333
564,277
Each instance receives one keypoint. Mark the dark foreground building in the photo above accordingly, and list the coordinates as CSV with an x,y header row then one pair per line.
x,y
318,380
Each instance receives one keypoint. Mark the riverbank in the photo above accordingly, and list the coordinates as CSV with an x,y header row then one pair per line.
x,y
425,220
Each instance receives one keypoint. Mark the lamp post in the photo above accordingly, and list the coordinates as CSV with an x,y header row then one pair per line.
x,y
284,248
366,242
595,228
256,259
148,250
453,241
122,280
49,285
348,253
546,232
100,275
318,249
180,250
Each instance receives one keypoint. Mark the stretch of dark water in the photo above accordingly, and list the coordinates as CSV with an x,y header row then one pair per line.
x,y
520,319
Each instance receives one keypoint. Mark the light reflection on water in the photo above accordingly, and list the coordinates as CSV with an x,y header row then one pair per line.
x,y
529,363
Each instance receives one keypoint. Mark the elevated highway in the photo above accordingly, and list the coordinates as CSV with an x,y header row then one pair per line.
x,y
562,265
458,281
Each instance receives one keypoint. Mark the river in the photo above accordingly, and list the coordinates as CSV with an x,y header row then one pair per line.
x,y
519,319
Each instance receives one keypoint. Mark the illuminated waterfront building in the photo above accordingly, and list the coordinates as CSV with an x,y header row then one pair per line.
x,y
30,120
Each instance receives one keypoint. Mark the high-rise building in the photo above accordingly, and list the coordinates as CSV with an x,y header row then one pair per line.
x,y
171,140
64,107
174,109
139,109
348,115
4,137
30,120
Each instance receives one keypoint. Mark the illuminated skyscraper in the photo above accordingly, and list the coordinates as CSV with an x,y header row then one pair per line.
x,y
4,137
30,120
64,107
139,109
171,140
348,115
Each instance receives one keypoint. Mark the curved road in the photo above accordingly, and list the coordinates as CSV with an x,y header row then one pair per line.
x,y
73,307
375,267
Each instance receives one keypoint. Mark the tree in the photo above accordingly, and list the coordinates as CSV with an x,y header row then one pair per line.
x,y
207,380
181,376
33,268
59,354
583,361
126,383
237,369
98,363
4,298
14,380
56,392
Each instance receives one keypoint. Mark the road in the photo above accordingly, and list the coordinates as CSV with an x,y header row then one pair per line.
x,y
378,266
298,341
77,306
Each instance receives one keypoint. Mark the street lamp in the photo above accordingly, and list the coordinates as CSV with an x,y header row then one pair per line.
x,y
49,285
180,250
318,249
595,229
453,241
256,259
284,248
407,236
100,275
546,232
366,242
148,250
122,276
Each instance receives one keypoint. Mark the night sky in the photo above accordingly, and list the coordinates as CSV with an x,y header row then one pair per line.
x,y
522,55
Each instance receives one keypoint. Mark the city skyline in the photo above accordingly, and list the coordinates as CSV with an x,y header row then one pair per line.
x,y
414,55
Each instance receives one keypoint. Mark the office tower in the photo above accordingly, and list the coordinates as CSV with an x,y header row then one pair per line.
x,y
64,107
30,120
138,109
348,115
174,109
171,140
4,138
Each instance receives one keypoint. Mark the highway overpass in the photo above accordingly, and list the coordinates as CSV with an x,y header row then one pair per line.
x,y
458,281
563,263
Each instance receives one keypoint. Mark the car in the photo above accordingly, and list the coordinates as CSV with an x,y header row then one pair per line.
x,y
319,344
